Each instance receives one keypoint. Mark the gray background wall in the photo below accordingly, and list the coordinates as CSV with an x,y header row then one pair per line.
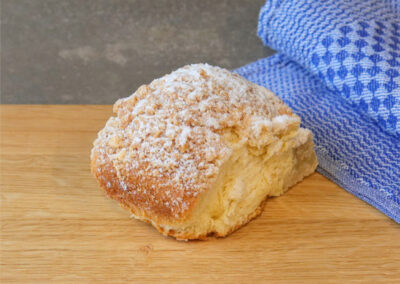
x,y
95,51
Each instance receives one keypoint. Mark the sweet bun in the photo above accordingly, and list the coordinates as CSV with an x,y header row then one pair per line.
x,y
197,152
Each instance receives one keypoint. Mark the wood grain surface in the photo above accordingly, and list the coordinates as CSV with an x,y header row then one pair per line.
x,y
57,225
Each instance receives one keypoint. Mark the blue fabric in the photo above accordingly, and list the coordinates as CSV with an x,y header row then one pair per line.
x,y
338,67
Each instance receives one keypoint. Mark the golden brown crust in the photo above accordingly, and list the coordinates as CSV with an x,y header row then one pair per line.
x,y
110,183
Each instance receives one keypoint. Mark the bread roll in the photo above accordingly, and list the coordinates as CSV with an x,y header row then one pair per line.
x,y
197,152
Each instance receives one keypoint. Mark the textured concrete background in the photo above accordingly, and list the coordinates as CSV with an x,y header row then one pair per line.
x,y
95,51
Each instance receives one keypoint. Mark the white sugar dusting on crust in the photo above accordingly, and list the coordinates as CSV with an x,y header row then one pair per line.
x,y
170,133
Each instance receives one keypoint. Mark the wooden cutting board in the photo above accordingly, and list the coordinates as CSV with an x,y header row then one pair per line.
x,y
57,225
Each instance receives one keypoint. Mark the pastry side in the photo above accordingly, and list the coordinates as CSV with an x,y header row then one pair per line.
x,y
197,152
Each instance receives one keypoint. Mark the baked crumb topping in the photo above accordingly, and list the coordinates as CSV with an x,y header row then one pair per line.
x,y
166,142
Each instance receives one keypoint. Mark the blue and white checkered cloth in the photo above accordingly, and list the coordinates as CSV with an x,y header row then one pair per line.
x,y
338,67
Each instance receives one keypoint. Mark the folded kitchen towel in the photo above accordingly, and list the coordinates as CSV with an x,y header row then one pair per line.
x,y
338,67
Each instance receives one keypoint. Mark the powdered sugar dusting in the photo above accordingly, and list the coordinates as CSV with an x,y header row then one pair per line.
x,y
166,143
